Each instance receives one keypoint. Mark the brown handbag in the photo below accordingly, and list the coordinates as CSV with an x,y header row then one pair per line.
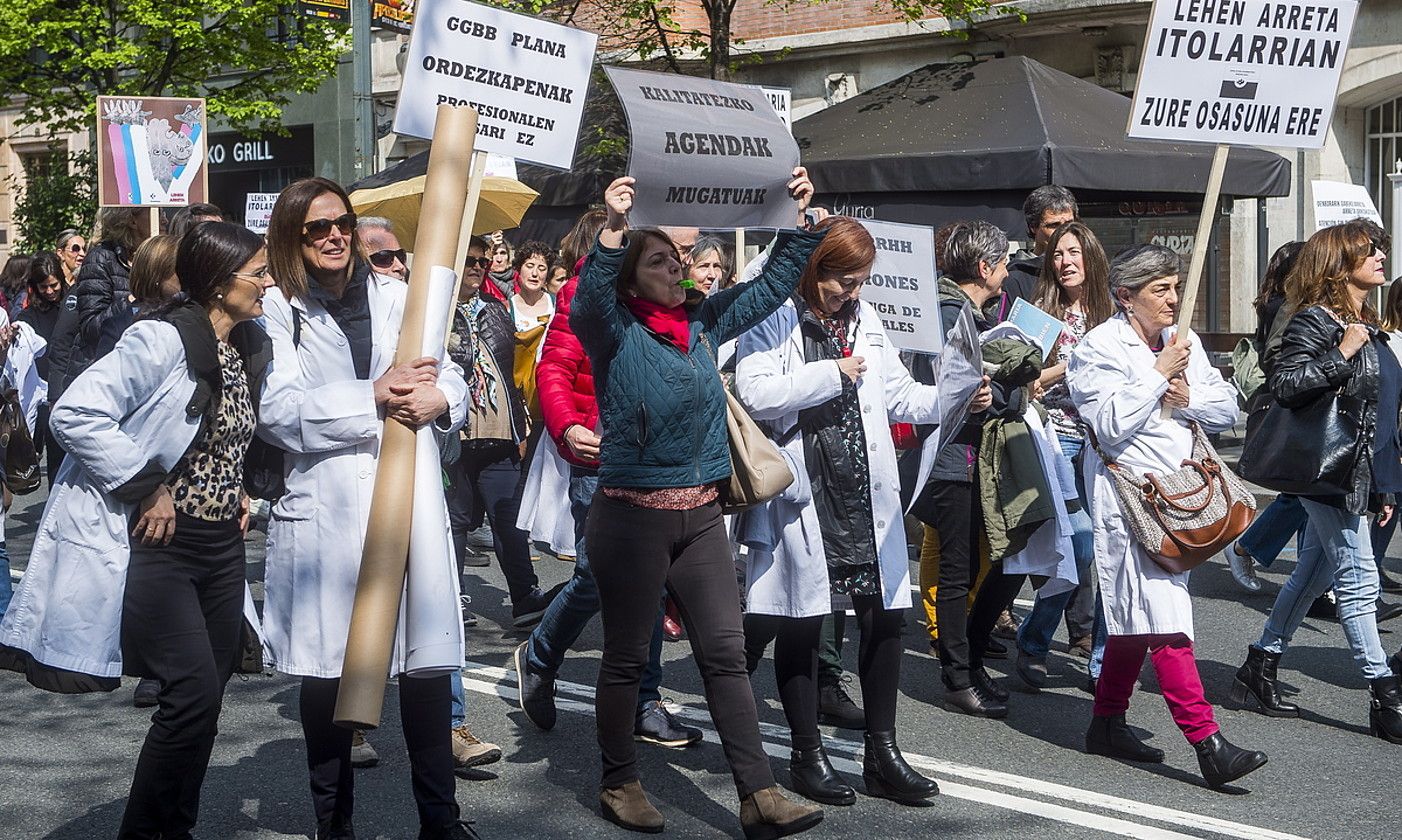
x,y
1183,518
758,472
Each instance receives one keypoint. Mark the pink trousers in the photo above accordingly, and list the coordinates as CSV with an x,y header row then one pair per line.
x,y
1177,670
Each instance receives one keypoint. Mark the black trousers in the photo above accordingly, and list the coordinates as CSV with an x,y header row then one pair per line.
x,y
636,553
797,649
488,479
425,711
963,634
47,445
181,616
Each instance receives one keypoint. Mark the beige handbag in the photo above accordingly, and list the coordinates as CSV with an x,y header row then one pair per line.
x,y
758,472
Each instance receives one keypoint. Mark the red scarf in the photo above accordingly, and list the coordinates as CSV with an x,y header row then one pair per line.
x,y
670,322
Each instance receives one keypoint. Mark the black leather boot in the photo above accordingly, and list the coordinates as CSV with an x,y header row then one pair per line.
x,y
988,686
1385,714
337,828
1221,762
1256,679
886,774
1111,736
813,777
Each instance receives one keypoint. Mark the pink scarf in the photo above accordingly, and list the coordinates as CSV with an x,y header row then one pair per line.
x,y
670,322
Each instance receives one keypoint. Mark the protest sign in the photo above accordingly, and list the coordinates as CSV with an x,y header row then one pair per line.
x,y
393,15
706,154
1037,325
258,210
151,151
782,101
1336,203
902,285
1262,72
526,77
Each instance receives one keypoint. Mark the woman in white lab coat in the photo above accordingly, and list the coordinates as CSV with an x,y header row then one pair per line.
x,y
1121,376
156,433
823,374
334,325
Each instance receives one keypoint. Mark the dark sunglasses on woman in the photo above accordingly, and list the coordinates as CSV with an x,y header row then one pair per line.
x,y
318,229
77,249
386,258
481,262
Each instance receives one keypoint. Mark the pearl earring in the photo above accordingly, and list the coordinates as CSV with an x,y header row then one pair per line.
x,y
219,297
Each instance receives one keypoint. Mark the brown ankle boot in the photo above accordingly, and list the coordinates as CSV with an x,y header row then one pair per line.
x,y
767,814
627,807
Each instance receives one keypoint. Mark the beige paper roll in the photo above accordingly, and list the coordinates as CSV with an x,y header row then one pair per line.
x,y
380,587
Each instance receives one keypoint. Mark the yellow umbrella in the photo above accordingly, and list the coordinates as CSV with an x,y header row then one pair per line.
x,y
504,202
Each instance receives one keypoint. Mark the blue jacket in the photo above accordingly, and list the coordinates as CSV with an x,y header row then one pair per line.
x,y
663,411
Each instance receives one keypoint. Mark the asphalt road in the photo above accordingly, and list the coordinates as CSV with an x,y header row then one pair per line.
x,y
66,762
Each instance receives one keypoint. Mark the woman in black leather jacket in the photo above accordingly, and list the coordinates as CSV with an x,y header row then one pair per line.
x,y
1333,342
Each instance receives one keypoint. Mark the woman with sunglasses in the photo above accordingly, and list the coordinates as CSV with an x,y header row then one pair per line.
x,y
46,291
138,564
72,250
334,326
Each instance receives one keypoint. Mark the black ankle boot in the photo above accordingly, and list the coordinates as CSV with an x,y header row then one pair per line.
x,y
1111,736
987,685
813,777
1385,715
337,828
1256,679
886,774
1221,762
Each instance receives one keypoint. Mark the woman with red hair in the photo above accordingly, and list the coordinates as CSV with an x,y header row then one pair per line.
x,y
824,377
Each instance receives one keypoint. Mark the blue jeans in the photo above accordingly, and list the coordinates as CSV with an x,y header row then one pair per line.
x,y
1035,635
7,589
1282,519
578,603
1336,550
459,702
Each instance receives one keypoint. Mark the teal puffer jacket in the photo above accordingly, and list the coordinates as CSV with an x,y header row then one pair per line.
x,y
663,411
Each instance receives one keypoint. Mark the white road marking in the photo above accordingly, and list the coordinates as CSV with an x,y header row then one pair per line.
x,y
839,748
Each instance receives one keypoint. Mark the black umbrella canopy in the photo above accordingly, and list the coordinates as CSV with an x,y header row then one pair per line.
x,y
1009,124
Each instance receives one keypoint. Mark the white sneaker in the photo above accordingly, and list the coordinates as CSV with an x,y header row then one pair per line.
x,y
1243,568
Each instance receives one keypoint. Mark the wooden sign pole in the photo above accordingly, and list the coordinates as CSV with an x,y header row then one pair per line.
x,y
380,586
1187,302
739,253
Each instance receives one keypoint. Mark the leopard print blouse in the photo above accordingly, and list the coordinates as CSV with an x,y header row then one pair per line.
x,y
208,482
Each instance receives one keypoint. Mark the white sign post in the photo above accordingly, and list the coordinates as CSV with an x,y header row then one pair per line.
x,y
258,210
1238,72
1336,203
526,77
902,286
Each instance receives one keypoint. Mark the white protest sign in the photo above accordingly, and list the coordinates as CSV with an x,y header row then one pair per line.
x,y
782,101
1336,203
1246,72
705,153
526,77
257,210
902,285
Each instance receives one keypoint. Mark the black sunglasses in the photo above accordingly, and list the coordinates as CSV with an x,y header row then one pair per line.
x,y
386,258
76,248
321,228
481,262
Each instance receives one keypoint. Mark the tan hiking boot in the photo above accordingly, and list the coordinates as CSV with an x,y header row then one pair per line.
x,y
768,814
470,751
362,754
628,807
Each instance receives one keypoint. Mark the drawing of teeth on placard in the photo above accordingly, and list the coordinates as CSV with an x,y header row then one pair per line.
x,y
154,163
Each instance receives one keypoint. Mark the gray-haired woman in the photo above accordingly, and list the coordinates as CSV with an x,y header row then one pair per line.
x,y
711,266
1121,375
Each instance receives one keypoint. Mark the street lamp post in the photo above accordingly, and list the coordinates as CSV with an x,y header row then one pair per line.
x,y
361,86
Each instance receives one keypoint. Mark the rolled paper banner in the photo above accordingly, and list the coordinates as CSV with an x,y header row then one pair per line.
x,y
380,588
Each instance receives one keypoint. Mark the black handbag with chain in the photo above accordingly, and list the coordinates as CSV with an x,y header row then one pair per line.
x,y
1311,450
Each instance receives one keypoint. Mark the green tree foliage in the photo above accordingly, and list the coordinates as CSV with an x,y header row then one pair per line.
x,y
248,57
57,193
652,30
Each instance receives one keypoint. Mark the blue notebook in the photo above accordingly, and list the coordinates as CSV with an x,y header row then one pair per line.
x,y
1038,325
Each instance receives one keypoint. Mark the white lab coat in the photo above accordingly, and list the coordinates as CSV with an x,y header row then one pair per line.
x,y
22,373
314,407
787,574
127,409
1116,390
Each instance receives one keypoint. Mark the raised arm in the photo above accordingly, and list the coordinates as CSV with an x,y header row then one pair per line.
x,y
595,314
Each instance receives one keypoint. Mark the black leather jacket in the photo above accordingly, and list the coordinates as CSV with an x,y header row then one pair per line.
x,y
1309,365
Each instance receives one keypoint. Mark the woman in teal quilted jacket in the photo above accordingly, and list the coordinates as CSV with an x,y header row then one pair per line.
x,y
656,522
